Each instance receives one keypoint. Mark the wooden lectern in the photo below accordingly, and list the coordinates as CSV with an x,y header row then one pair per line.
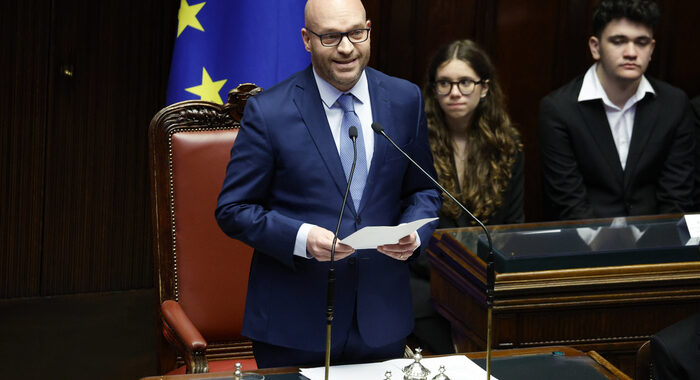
x,y
605,285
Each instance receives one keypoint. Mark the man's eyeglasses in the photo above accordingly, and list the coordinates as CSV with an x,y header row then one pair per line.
x,y
465,86
333,39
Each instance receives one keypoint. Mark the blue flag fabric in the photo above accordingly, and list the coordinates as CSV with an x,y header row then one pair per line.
x,y
222,43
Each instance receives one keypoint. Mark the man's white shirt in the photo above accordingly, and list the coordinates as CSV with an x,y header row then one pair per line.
x,y
621,120
334,114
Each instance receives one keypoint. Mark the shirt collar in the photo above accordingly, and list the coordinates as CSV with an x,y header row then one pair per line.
x,y
330,94
592,89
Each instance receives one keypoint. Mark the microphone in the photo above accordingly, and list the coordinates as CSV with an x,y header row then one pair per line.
x,y
330,294
490,272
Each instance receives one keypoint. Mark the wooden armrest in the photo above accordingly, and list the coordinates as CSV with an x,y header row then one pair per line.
x,y
182,327
601,360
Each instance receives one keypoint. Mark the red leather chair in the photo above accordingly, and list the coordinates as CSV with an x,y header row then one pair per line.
x,y
201,275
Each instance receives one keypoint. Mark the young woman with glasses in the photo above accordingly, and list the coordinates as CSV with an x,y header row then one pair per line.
x,y
478,157
477,151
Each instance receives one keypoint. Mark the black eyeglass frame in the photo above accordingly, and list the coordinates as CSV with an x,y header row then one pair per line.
x,y
342,34
475,82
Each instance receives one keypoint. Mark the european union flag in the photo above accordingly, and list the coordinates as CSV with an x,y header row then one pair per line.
x,y
222,43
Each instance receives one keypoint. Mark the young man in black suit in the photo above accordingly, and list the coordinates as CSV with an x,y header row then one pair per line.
x,y
614,142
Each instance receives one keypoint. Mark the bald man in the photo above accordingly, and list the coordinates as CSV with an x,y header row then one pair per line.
x,y
284,189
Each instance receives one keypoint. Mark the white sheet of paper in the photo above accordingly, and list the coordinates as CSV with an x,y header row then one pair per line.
x,y
457,367
373,236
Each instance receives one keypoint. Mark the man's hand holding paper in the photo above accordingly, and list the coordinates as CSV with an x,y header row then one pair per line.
x,y
398,242
401,250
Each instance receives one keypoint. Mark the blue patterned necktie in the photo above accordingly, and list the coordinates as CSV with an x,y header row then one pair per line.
x,y
346,102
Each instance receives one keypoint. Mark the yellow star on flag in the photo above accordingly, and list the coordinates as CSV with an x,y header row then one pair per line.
x,y
208,90
187,16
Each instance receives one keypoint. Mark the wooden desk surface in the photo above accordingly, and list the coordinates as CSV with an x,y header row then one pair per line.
x,y
592,359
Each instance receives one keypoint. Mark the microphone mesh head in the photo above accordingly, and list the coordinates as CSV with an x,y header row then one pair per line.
x,y
352,132
377,128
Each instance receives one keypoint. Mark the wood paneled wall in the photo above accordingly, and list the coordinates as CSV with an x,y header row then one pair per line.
x,y
24,81
537,46
81,79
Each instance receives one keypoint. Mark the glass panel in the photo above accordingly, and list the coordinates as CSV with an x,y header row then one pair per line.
x,y
587,243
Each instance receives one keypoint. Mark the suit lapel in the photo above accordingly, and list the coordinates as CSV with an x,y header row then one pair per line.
x,y
594,116
644,120
381,113
308,102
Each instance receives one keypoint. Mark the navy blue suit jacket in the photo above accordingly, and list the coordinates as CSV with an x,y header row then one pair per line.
x,y
284,171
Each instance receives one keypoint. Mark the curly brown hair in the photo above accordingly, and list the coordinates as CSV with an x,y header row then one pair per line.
x,y
492,141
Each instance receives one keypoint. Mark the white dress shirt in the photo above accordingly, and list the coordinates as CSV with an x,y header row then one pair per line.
x,y
621,120
334,114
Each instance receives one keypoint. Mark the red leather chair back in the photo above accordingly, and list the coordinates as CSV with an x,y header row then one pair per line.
x,y
211,268
196,264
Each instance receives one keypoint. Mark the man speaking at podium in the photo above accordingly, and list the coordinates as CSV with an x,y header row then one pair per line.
x,y
284,188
